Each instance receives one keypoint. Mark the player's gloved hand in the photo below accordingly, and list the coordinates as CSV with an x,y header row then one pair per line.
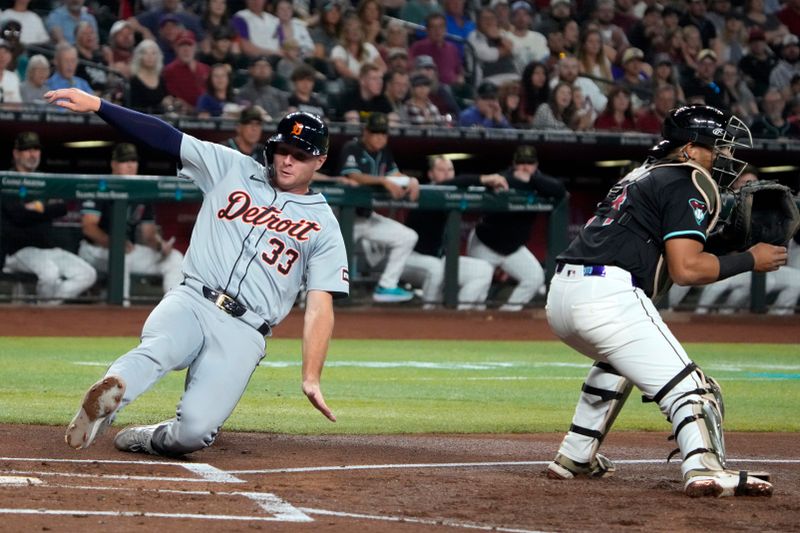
x,y
768,257
313,392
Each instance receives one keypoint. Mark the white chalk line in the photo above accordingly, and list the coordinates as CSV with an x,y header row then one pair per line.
x,y
490,464
139,514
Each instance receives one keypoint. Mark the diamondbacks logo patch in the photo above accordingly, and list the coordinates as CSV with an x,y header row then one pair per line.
x,y
297,129
699,209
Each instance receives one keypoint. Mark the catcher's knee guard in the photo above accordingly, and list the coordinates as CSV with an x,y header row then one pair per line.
x,y
693,403
602,397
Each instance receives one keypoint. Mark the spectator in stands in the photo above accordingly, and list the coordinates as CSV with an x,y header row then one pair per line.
x,y
636,77
28,245
603,17
501,238
568,72
169,31
303,97
534,90
292,58
717,12
425,266
66,63
486,111
326,36
146,252
9,81
526,44
788,66
757,62
369,161
149,22
10,32
649,33
396,39
216,18
732,39
61,21
370,14
186,77
119,52
457,22
291,27
397,60
356,105
35,85
650,119
702,87
418,11
418,108
789,15
572,36
31,25
618,114
354,52
218,98
559,112
222,49
259,90
148,90
508,96
553,20
257,30
771,123
493,51
665,73
441,95
593,60
624,16
737,95
445,55
396,88
502,11
249,129
696,16
91,63
758,17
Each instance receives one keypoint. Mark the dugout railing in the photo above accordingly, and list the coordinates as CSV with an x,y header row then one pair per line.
x,y
119,190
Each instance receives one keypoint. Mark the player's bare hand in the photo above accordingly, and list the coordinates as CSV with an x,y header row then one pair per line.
x,y
412,190
768,257
313,392
166,246
495,182
395,190
73,99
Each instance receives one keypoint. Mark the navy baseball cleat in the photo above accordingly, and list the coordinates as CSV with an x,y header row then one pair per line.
x,y
96,413
565,468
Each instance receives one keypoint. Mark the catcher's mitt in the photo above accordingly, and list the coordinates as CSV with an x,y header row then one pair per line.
x,y
764,211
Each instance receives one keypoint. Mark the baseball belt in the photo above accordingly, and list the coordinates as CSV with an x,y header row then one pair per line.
x,y
229,305
591,270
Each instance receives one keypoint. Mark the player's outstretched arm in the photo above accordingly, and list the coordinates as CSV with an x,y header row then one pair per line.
x,y
317,330
145,129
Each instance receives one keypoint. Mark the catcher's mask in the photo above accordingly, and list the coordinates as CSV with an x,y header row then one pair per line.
x,y
716,130
301,129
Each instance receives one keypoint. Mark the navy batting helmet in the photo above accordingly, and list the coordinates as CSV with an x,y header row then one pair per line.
x,y
301,129
707,126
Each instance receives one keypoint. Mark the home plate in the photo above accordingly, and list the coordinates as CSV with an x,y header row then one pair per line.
x,y
19,480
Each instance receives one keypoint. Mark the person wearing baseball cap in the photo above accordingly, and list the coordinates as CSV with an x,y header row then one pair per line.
x,y
369,161
28,246
528,45
249,129
486,111
186,77
702,87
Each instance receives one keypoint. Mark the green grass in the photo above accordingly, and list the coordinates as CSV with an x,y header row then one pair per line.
x,y
401,386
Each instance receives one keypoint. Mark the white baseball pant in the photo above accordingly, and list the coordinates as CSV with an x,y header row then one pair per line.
x,y
60,274
141,260
521,265
398,240
474,279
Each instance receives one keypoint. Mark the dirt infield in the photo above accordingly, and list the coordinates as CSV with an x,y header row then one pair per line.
x,y
250,481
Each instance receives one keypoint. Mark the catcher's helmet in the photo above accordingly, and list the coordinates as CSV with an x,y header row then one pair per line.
x,y
707,126
301,129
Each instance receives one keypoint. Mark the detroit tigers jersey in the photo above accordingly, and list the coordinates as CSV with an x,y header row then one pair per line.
x,y
254,242
649,206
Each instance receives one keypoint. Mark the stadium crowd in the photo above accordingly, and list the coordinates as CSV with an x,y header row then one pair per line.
x,y
603,65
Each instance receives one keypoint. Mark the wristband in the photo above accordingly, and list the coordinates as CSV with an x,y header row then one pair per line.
x,y
730,265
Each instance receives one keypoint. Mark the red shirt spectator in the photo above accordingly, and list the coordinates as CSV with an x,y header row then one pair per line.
x,y
186,77
789,14
445,54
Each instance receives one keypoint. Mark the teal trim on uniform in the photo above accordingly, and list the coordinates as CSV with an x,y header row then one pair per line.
x,y
687,232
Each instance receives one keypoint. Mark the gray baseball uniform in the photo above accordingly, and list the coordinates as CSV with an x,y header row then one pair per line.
x,y
256,245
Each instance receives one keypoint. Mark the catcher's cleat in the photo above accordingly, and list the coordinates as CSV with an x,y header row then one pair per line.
x,y
136,439
565,468
719,483
96,413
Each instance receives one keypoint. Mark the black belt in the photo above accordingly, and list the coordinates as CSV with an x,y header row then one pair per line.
x,y
230,306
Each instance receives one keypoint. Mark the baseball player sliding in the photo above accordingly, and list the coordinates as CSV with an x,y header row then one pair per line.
x,y
259,235
653,225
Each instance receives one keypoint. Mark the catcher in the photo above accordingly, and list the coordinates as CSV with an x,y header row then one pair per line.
x,y
653,227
